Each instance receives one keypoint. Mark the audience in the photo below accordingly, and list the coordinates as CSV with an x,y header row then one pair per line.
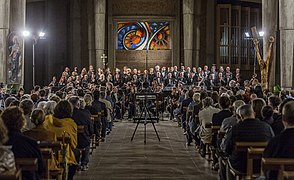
x,y
82,118
7,161
282,146
39,132
64,125
22,146
247,113
249,129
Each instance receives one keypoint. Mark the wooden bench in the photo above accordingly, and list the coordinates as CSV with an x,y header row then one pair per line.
x,y
48,150
277,164
252,154
288,175
27,164
243,147
15,176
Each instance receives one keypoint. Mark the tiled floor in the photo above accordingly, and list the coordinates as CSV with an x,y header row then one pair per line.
x,y
119,158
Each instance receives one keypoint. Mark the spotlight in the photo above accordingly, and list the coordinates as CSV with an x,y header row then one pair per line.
x,y
247,34
41,34
261,33
26,33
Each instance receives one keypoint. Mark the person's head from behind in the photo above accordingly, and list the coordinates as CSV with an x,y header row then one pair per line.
x,y
41,105
96,94
196,97
8,101
238,104
27,106
224,102
38,117
246,112
206,102
274,102
267,112
75,101
257,105
49,107
14,103
42,93
88,100
190,94
3,133
288,114
13,119
63,110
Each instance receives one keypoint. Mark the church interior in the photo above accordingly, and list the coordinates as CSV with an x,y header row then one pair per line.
x,y
146,89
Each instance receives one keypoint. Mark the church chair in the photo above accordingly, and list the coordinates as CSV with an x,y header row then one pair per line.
x,y
55,148
252,154
280,165
243,147
289,175
47,156
15,176
27,164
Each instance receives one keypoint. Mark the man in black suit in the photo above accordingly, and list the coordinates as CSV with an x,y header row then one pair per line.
x,y
248,130
82,118
282,146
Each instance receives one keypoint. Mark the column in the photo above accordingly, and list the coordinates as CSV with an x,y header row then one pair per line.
x,y
17,24
4,29
269,26
91,33
286,42
197,33
188,18
99,10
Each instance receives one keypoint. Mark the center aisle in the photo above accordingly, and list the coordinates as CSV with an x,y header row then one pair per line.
x,y
119,158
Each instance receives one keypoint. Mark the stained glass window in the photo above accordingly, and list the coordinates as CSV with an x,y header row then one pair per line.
x,y
143,35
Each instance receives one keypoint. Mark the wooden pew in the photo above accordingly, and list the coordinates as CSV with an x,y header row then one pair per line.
x,y
288,175
15,176
47,156
49,151
252,154
243,147
27,164
277,164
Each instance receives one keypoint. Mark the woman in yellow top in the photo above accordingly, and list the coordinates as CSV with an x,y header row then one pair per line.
x,y
63,124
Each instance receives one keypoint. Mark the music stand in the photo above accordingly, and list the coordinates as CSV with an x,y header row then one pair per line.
x,y
146,112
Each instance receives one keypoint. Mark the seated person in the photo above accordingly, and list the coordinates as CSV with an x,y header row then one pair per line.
x,y
22,146
39,132
7,162
62,122
248,130
205,117
83,118
27,106
282,146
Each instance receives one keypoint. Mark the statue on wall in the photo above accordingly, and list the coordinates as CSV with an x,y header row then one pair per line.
x,y
264,64
14,60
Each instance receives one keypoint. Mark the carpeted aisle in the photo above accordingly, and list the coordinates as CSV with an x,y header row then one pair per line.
x,y
119,158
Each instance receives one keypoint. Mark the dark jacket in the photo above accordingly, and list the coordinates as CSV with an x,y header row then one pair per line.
x,y
281,146
99,106
250,130
24,147
83,117
277,125
218,118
